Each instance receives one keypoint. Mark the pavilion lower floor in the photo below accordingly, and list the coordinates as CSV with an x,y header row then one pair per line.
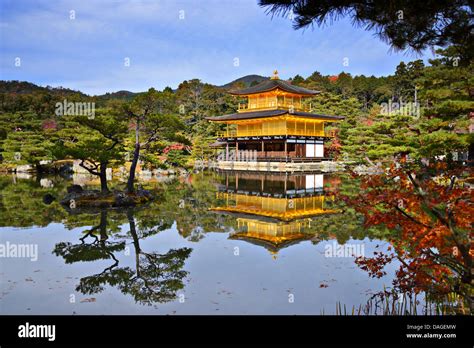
x,y
274,150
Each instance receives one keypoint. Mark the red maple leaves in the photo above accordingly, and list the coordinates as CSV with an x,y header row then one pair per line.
x,y
430,212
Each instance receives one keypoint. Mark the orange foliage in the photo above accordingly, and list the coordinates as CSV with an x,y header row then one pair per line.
x,y
431,214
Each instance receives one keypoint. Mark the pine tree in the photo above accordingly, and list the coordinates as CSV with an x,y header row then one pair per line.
x,y
96,142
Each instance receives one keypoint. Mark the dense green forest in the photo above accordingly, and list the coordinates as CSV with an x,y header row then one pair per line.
x,y
421,111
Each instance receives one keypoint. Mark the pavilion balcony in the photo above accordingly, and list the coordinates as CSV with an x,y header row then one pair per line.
x,y
273,104
283,131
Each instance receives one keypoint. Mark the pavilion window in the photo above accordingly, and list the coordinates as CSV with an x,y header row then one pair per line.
x,y
319,128
289,126
241,129
252,103
231,129
267,128
246,129
291,147
272,101
277,126
280,100
300,128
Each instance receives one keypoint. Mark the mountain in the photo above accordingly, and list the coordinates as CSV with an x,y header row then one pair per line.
x,y
24,87
245,80
124,95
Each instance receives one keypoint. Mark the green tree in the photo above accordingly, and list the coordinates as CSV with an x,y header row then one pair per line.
x,y
25,141
405,79
438,129
198,100
446,94
96,142
380,138
401,23
297,80
153,120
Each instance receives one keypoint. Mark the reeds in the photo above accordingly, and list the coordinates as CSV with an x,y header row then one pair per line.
x,y
392,303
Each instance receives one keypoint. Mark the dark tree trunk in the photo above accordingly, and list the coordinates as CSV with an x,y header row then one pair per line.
x,y
136,156
136,243
471,154
39,168
103,177
103,228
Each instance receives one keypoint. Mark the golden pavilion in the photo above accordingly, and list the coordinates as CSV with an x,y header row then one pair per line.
x,y
273,210
274,124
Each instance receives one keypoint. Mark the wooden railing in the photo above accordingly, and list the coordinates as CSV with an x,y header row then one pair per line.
x,y
243,107
233,133
271,154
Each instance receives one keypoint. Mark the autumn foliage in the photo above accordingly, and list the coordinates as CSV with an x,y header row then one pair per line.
x,y
431,213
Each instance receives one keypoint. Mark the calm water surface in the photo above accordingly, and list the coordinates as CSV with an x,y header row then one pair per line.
x,y
212,243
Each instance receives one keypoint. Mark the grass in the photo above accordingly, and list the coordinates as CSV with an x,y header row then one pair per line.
x,y
390,303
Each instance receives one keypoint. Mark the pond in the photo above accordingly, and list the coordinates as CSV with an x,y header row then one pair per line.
x,y
212,243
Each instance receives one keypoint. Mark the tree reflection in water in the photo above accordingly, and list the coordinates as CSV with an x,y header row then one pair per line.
x,y
156,278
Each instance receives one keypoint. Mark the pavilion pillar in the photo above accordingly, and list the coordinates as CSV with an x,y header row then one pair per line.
x,y
263,149
286,151
237,157
227,151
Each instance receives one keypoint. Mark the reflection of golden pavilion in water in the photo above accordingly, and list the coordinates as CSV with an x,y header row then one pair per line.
x,y
273,210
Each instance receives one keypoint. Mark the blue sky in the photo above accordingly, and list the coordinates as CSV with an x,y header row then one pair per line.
x,y
217,41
